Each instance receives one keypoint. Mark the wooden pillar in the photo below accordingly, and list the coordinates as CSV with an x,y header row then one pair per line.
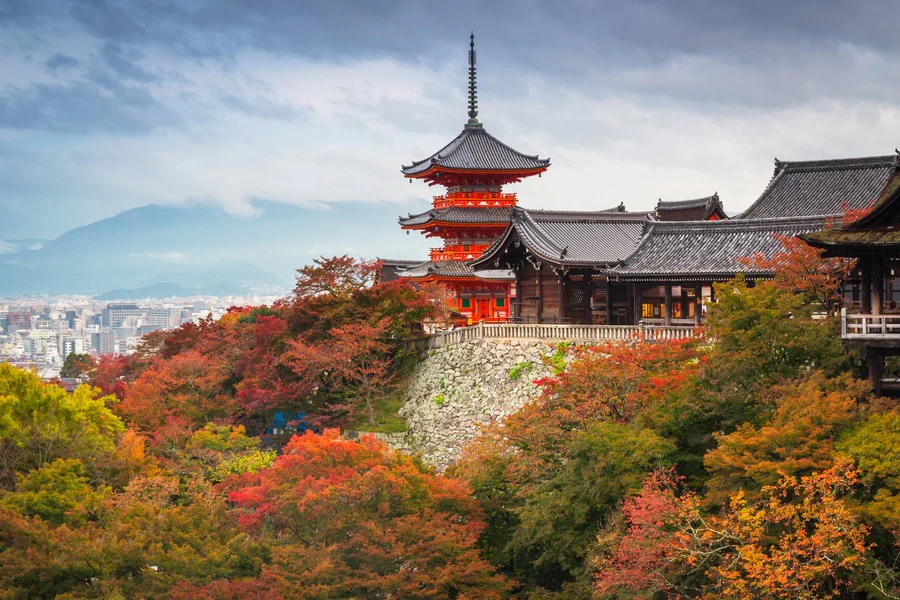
x,y
698,305
540,292
609,302
517,308
877,287
636,299
876,369
866,270
588,317
667,317
561,312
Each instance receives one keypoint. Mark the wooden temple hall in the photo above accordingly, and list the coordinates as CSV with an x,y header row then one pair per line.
x,y
505,263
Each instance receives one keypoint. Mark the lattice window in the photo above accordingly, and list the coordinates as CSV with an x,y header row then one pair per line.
x,y
575,296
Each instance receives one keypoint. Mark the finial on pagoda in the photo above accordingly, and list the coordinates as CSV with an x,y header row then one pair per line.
x,y
473,86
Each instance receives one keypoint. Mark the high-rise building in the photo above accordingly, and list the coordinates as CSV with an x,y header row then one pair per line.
x,y
162,318
106,342
115,315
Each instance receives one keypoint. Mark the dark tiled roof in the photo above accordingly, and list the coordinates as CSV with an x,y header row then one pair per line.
x,y
458,214
476,149
708,250
453,268
823,187
698,209
571,238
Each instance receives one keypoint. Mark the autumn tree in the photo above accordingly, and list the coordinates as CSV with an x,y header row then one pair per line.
x,y
355,519
77,366
40,423
798,439
798,541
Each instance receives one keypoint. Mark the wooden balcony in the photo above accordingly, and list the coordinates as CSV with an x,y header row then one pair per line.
x,y
870,330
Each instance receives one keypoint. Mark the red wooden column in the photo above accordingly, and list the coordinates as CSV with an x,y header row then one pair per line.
x,y
609,302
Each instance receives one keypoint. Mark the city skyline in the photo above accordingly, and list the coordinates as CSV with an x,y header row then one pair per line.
x,y
112,105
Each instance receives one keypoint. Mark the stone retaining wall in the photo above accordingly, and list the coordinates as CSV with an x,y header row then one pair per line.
x,y
457,388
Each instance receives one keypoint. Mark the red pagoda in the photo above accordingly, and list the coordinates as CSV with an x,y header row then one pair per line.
x,y
471,214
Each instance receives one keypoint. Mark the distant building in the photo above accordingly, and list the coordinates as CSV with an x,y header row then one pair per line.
x,y
115,315
106,342
18,321
162,318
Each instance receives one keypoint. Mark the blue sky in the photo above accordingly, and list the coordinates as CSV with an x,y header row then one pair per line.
x,y
107,105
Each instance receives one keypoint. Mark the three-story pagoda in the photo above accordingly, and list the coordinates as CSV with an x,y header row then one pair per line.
x,y
471,214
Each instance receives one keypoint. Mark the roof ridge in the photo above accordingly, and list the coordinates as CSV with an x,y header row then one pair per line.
x,y
741,224
852,162
684,203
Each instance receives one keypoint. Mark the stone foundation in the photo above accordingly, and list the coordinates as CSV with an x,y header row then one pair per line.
x,y
456,389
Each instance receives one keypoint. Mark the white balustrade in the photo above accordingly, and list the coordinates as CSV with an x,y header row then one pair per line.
x,y
552,333
860,327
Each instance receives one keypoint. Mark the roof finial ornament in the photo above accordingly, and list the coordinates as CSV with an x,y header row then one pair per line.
x,y
473,86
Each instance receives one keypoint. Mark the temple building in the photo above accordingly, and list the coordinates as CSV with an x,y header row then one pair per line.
x,y
473,211
660,267
874,241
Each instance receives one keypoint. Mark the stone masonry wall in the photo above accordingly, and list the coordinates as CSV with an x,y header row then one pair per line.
x,y
457,388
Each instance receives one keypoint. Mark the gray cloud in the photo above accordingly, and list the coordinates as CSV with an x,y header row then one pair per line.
x,y
84,107
60,61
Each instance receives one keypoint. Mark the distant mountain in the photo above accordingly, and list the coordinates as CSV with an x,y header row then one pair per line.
x,y
173,290
201,245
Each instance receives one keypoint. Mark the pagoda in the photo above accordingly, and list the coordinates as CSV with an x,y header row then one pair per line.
x,y
471,214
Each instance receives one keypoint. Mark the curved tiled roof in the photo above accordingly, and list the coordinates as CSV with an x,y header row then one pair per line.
x,y
822,187
476,149
698,209
458,214
571,238
708,250
453,268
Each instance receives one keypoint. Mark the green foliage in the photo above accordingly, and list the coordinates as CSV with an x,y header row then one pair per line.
x,y
440,400
520,369
77,366
257,311
387,419
560,516
40,422
57,492
557,360
875,446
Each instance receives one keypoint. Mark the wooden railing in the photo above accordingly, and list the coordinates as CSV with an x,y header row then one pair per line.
x,y
551,333
860,327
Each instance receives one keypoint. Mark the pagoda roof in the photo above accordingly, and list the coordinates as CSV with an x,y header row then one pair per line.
x,y
458,214
570,238
823,187
708,250
476,150
699,209
453,269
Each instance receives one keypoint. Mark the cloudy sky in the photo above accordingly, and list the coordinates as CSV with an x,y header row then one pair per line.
x,y
107,105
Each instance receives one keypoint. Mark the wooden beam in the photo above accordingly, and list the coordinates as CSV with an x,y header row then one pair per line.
x,y
876,369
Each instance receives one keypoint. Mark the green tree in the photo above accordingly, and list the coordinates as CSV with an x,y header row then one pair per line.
x,y
40,422
77,366
57,492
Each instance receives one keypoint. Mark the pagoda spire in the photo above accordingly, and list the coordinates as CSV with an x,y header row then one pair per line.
x,y
473,84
